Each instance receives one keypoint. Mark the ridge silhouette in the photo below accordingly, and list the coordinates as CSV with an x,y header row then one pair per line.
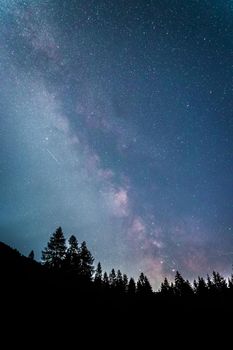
x,y
67,285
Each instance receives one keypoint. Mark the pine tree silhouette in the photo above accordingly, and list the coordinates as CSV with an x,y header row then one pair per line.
x,y
86,262
143,286
182,286
98,276
125,283
219,283
54,254
166,289
200,287
131,287
106,281
112,279
119,282
73,259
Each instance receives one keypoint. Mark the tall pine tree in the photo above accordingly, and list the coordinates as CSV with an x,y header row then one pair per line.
x,y
112,279
106,281
86,262
182,286
54,254
73,260
98,276
166,289
143,286
131,287
125,282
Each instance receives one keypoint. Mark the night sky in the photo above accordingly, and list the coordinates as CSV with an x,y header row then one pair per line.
x,y
116,122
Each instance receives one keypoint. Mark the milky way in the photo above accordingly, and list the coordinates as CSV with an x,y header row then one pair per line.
x,y
117,124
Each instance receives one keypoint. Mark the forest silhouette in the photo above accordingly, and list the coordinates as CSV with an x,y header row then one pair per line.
x,y
66,282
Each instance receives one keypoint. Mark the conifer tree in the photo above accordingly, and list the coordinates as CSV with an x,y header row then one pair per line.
x,y
143,285
54,254
182,286
131,287
86,262
166,288
73,259
112,279
98,276
119,281
105,281
200,286
125,282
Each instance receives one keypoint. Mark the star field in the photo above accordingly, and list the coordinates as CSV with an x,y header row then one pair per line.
x,y
116,122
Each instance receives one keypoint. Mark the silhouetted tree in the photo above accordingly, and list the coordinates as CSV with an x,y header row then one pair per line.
x,y
210,286
188,290
31,255
119,282
179,283
112,279
125,282
143,285
165,286
98,276
200,287
182,287
73,259
86,262
173,290
147,286
131,287
106,281
219,283
54,254
166,289
209,283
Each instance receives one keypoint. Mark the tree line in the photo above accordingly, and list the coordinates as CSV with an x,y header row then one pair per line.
x,y
76,261
214,285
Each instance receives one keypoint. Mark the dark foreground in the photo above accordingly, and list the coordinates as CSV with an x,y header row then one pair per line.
x,y
44,304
